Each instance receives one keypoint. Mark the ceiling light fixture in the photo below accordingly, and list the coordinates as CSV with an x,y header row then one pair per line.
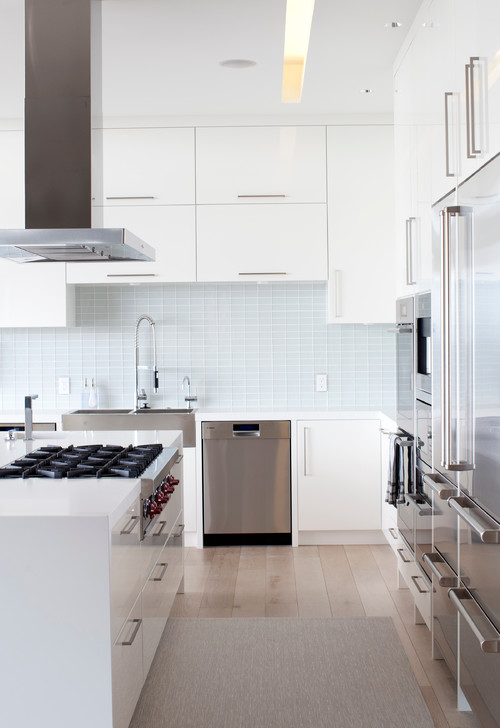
x,y
299,15
394,24
365,90
237,63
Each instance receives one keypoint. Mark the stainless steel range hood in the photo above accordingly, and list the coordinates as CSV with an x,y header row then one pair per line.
x,y
59,52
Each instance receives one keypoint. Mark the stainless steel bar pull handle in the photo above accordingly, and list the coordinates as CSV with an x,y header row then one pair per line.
x,y
432,560
471,92
260,196
133,197
401,552
410,252
129,527
265,273
460,292
137,624
486,529
131,275
306,437
486,634
164,567
419,588
442,490
448,95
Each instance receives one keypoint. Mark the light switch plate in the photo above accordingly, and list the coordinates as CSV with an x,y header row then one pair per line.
x,y
63,385
321,382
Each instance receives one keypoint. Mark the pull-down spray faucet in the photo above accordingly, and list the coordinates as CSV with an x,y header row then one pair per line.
x,y
142,396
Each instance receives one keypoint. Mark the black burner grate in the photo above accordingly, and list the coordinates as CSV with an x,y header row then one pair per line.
x,y
84,461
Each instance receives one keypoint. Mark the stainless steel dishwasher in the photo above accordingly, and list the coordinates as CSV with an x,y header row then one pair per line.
x,y
246,483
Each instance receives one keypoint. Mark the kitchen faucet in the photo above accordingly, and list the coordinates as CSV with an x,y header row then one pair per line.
x,y
186,382
28,416
142,396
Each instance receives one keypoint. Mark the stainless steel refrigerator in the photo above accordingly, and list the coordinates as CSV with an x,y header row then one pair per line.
x,y
466,435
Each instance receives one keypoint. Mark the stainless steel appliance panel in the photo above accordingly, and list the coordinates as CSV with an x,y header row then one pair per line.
x,y
246,478
421,501
423,341
424,431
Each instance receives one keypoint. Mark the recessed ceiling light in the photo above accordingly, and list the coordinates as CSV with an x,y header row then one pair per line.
x,y
394,24
365,90
237,63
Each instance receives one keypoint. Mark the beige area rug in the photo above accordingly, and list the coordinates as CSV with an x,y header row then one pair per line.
x,y
281,673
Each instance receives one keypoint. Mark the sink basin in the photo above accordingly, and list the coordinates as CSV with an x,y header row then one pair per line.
x,y
165,411
165,418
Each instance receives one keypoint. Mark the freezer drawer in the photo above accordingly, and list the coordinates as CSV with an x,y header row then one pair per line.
x,y
246,482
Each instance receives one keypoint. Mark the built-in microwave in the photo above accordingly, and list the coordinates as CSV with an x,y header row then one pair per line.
x,y
423,346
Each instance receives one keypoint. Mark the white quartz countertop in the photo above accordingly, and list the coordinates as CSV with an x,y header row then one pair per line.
x,y
108,497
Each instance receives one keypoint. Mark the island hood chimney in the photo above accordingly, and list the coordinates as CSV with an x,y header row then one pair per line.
x,y
59,54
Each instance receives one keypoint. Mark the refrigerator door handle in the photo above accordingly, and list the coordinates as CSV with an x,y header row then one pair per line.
x,y
442,490
486,634
449,288
432,560
486,529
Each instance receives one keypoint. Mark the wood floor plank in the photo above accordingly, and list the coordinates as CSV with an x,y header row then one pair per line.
x,y
280,579
250,593
372,590
312,595
341,587
435,710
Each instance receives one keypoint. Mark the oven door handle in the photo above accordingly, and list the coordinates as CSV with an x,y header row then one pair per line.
x,y
422,510
485,528
432,560
488,642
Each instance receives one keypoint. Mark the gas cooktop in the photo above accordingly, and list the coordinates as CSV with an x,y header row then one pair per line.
x,y
83,461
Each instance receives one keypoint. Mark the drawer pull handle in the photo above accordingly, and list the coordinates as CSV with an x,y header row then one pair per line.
x,y
136,197
179,459
394,533
484,529
432,560
131,275
488,644
164,567
134,520
442,490
180,529
160,530
419,589
265,273
265,196
405,561
137,623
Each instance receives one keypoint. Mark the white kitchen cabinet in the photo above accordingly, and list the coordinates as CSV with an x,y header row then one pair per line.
x,y
170,229
338,463
261,242
145,167
361,224
31,294
268,164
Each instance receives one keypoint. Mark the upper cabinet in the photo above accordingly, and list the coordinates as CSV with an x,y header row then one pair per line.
x,y
143,167
261,242
242,165
261,203
31,294
360,224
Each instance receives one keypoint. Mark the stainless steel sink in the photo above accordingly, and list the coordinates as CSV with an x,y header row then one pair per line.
x,y
167,418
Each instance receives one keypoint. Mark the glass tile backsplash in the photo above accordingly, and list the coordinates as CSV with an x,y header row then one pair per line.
x,y
250,345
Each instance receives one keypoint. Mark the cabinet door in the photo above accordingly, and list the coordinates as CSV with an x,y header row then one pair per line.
x,y
361,224
189,488
260,164
338,475
127,667
261,242
146,167
169,229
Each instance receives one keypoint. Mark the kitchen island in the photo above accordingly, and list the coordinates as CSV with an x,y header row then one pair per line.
x,y
77,608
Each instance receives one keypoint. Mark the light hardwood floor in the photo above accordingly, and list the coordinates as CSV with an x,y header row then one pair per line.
x,y
318,581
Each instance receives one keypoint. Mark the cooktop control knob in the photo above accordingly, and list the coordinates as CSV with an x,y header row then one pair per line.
x,y
161,496
173,481
154,509
145,507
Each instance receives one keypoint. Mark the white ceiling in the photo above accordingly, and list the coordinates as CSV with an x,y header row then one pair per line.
x,y
161,57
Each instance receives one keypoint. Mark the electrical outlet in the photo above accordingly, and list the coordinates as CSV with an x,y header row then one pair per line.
x,y
321,382
63,385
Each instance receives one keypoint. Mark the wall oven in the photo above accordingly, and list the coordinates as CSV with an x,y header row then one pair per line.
x,y
423,347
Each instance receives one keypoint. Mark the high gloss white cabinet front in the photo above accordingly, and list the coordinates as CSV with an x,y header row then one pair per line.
x,y
338,464
261,242
261,165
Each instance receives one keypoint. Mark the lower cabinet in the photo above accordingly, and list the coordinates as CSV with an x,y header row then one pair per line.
x,y
338,475
127,667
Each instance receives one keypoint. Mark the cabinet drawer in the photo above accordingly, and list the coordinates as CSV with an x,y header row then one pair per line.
x,y
261,242
127,667
260,165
